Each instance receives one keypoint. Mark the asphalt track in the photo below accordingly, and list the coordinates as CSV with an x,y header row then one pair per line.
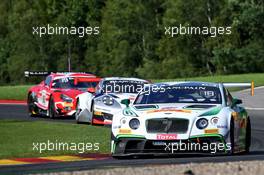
x,y
19,112
256,150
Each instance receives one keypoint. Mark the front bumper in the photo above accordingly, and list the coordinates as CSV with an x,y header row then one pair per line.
x,y
65,109
138,145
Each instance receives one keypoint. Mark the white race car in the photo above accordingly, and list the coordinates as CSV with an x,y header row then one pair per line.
x,y
182,117
99,107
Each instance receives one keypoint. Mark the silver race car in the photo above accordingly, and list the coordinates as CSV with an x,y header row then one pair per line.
x,y
99,106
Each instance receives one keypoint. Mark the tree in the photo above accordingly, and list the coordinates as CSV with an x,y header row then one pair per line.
x,y
242,51
128,36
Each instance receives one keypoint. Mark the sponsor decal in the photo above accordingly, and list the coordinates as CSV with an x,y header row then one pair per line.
x,y
211,131
98,113
222,126
65,104
166,136
187,87
124,131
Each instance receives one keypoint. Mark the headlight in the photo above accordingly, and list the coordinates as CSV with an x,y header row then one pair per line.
x,y
134,123
108,100
202,123
123,121
214,120
66,98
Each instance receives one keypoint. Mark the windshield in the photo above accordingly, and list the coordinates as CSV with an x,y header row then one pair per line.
x,y
122,86
71,83
180,94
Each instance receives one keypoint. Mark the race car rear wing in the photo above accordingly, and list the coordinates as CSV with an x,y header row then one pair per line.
x,y
242,85
46,73
36,73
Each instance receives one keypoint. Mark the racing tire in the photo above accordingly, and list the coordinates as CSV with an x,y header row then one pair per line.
x,y
248,136
32,108
78,110
232,137
92,111
52,112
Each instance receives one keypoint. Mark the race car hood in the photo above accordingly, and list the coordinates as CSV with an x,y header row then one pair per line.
x,y
188,108
182,112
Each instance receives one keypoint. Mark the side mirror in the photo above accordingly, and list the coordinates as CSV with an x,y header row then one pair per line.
x,y
125,102
91,90
236,101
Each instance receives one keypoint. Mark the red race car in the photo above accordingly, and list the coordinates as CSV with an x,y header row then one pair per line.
x,y
56,95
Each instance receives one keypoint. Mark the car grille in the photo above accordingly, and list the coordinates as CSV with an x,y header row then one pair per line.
x,y
167,125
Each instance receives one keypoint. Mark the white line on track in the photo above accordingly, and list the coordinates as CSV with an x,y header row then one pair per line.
x,y
256,109
249,89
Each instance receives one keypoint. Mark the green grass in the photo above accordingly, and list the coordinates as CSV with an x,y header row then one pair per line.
x,y
17,137
14,92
